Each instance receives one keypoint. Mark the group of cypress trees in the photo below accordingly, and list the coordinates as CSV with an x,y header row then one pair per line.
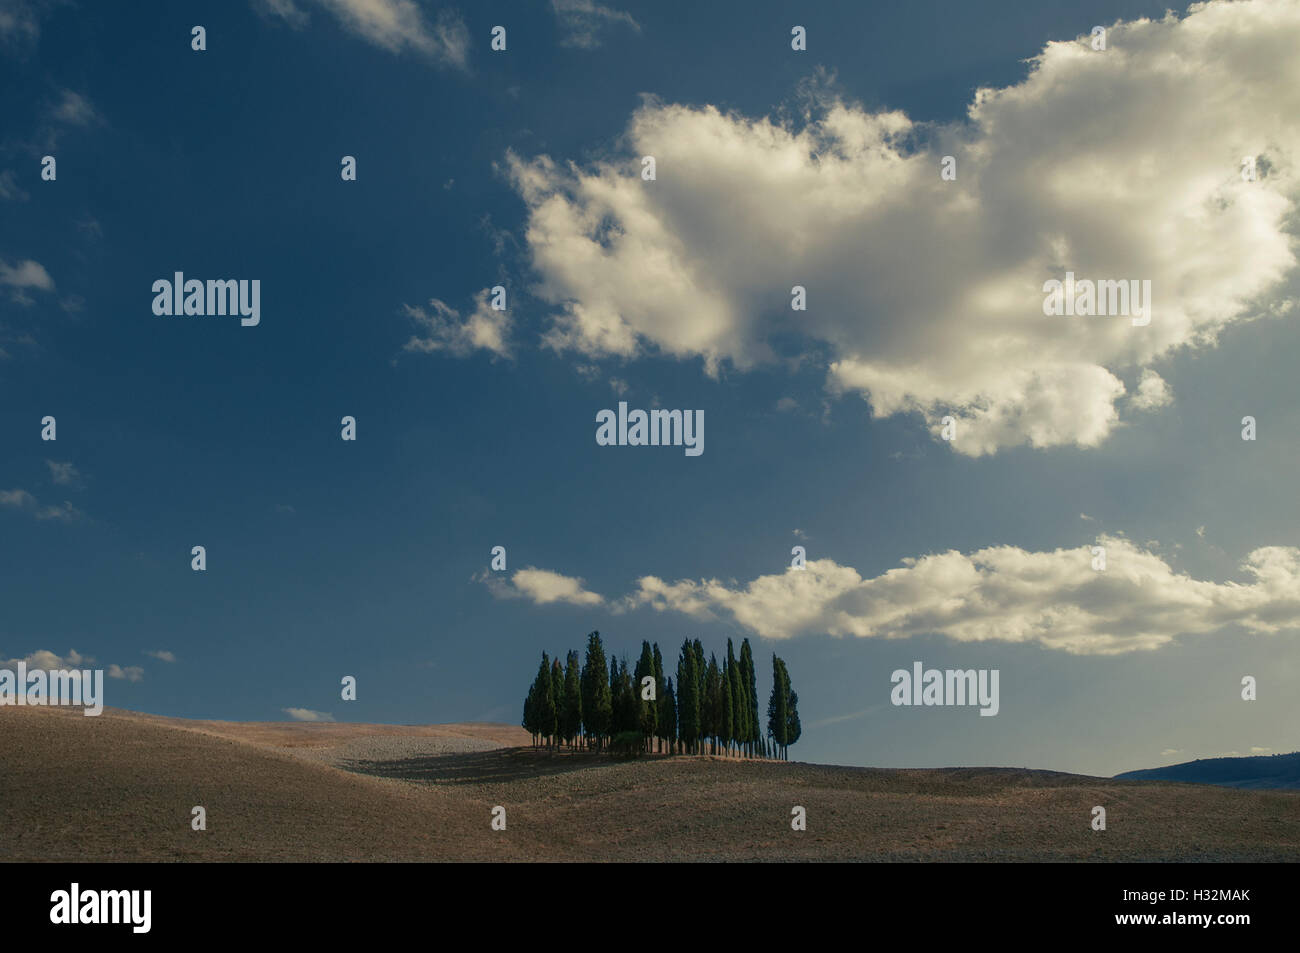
x,y
712,710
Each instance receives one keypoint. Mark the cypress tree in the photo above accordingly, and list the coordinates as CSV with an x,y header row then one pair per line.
x,y
712,707
530,711
572,717
661,715
647,710
701,689
688,699
739,710
545,700
793,728
727,714
557,695
778,706
597,703
668,716
747,679
626,705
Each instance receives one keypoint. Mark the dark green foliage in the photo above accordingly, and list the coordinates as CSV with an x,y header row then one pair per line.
x,y
783,710
571,713
688,699
597,704
662,716
778,705
726,714
710,708
647,710
627,744
668,715
544,701
794,729
747,681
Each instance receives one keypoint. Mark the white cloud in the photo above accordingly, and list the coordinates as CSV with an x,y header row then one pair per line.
x,y
162,655
394,25
63,474
26,274
1152,392
75,109
49,661
22,500
10,190
926,295
1003,594
443,329
541,587
306,714
583,20
20,21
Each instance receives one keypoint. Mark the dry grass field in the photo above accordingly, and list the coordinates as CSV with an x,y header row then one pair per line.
x,y
121,787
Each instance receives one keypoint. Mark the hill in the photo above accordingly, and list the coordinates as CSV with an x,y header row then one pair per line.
x,y
1261,772
121,787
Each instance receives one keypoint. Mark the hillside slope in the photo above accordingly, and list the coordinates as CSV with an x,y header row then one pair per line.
x,y
1262,772
121,786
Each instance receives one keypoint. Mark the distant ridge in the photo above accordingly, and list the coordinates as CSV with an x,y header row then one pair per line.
x,y
1259,772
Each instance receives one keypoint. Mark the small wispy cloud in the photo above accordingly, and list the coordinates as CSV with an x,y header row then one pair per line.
x,y
26,275
541,587
443,328
19,499
162,655
63,474
582,21
397,26
306,714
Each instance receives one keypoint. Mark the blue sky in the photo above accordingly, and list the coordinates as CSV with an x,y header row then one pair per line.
x,y
475,169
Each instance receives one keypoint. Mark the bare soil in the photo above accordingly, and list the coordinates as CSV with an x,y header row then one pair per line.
x,y
121,787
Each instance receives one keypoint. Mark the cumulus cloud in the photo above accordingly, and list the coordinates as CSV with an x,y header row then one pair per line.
x,y
443,329
26,275
1002,594
541,587
49,661
394,25
162,655
926,296
306,714
583,20
1152,392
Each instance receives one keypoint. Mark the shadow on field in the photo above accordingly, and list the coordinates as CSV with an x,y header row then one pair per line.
x,y
483,767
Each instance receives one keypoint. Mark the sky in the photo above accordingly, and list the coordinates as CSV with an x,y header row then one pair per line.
x,y
825,428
